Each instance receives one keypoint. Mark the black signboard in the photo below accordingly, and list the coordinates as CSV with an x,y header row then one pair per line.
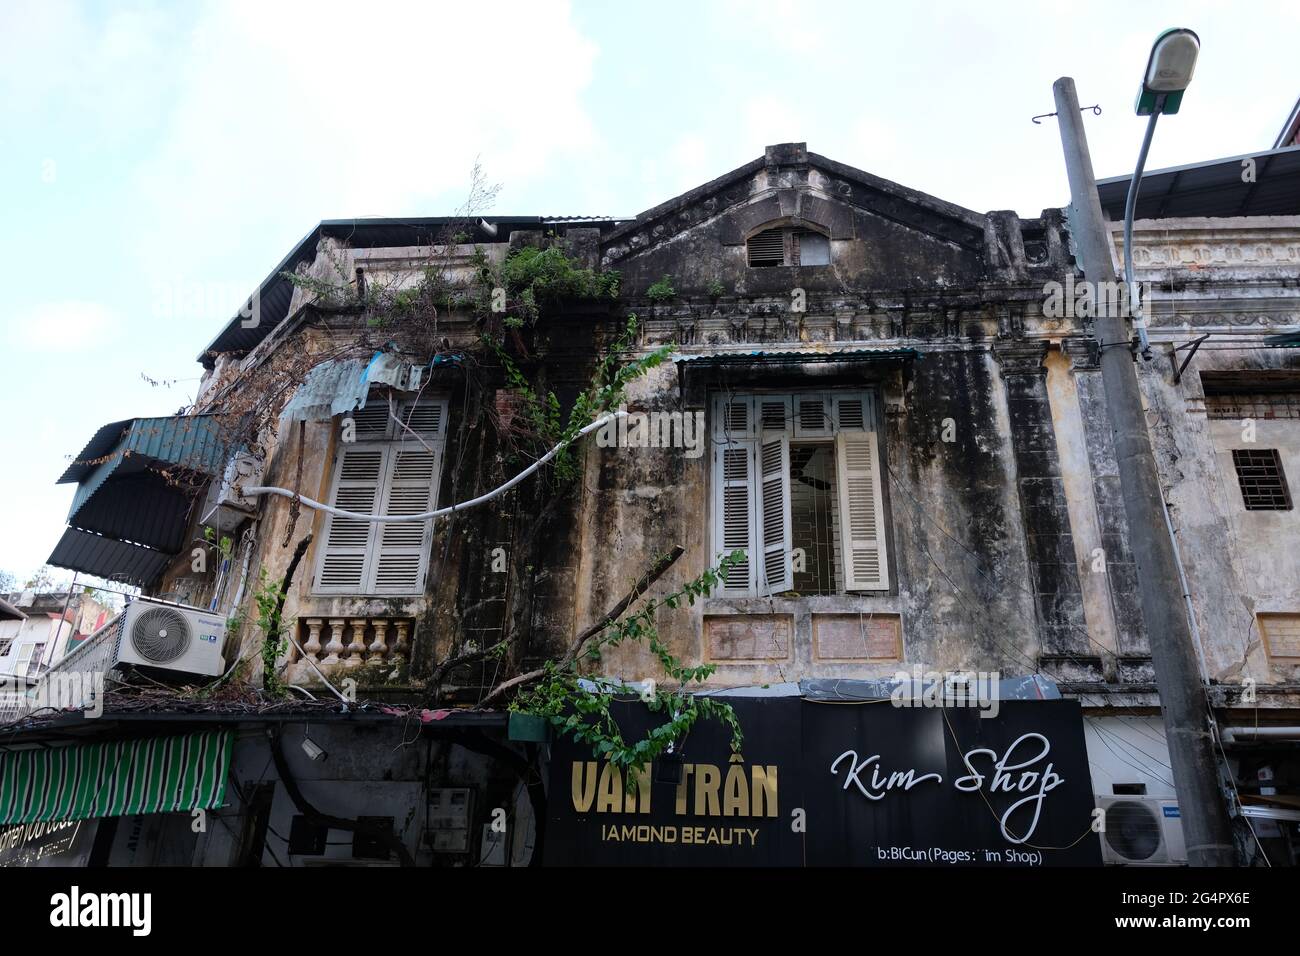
x,y
57,843
864,784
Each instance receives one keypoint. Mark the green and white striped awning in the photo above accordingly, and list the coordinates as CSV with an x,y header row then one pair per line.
x,y
115,778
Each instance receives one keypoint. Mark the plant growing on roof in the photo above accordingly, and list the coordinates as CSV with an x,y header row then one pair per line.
x,y
661,291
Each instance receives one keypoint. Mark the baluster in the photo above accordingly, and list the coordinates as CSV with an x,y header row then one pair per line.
x,y
335,646
312,648
399,644
357,649
379,646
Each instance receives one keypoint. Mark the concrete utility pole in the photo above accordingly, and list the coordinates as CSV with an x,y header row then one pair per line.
x,y
1182,701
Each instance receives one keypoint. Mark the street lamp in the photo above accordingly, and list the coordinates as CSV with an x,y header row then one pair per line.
x,y
1169,71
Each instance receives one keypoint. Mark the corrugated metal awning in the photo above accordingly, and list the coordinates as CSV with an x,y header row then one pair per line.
x,y
108,558
1212,189
128,495
744,356
116,778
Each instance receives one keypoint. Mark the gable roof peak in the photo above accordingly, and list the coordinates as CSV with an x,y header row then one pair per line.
x,y
786,154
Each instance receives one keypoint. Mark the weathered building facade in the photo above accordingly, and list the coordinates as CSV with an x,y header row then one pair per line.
x,y
891,405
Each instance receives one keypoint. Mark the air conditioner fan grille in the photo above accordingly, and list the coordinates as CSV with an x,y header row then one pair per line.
x,y
160,635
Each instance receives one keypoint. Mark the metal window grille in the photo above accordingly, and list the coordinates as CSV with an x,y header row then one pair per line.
x,y
1263,484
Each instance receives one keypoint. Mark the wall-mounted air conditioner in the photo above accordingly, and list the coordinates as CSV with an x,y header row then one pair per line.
x,y
170,637
1142,831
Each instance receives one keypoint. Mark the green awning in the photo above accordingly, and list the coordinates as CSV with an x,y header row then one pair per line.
x,y
115,778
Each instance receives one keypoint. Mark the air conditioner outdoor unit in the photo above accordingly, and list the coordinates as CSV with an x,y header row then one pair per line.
x,y
1142,831
170,637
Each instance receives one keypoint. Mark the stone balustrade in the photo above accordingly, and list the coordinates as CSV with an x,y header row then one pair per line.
x,y
344,643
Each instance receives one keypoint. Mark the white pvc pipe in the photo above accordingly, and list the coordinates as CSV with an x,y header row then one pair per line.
x,y
441,512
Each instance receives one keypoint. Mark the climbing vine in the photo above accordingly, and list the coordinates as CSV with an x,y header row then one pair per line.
x,y
580,707
607,391
269,601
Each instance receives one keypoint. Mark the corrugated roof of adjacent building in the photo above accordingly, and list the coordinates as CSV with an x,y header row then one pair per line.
x,y
1215,188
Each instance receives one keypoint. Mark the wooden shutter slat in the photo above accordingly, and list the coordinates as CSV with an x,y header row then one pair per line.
x,y
777,571
862,519
347,542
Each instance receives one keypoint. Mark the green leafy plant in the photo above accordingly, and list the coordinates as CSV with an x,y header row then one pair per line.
x,y
717,289
581,709
661,291
267,598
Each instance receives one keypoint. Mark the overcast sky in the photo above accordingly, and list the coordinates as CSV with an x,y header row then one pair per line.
x,y
159,159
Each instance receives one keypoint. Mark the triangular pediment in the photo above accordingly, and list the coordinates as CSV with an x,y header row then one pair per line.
x,y
791,185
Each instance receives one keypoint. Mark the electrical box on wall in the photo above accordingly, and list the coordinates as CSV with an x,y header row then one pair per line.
x,y
225,508
450,813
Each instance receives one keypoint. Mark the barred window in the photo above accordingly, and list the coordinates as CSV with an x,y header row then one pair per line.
x,y
1263,483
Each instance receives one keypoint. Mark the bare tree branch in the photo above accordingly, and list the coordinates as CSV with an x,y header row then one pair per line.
x,y
609,617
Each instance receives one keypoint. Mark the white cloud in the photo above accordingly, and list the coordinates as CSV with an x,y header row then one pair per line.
x,y
62,326
344,111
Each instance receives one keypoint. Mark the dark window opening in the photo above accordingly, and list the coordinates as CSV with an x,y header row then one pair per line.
x,y
814,519
1263,484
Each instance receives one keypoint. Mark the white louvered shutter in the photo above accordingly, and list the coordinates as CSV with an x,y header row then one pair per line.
x,y
372,422
348,542
401,558
812,416
862,511
776,572
773,413
734,511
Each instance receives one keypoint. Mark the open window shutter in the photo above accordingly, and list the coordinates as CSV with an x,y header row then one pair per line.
x,y
734,511
347,541
401,559
776,573
862,511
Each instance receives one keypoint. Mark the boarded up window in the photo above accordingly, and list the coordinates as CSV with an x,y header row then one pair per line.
x,y
1281,633
784,246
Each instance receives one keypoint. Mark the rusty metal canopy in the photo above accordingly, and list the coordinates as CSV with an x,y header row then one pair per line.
x,y
129,514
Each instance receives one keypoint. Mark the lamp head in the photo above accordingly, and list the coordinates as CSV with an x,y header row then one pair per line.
x,y
1169,71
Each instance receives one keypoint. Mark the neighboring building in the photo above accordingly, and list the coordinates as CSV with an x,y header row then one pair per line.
x,y
50,624
902,433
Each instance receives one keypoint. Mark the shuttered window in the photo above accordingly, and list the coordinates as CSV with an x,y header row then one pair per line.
x,y
797,487
785,246
391,466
